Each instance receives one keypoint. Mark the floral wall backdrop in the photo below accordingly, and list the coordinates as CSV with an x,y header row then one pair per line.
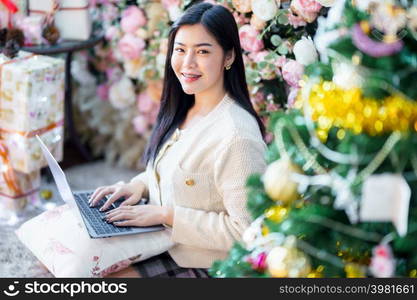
x,y
120,80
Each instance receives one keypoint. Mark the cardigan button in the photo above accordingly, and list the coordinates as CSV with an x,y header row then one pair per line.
x,y
189,182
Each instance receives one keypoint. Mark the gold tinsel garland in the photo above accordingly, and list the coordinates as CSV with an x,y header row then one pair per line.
x,y
332,106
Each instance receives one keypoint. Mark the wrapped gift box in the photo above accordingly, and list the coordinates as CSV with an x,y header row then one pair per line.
x,y
13,201
31,103
72,18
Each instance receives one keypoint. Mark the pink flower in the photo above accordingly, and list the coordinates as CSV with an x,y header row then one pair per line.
x,y
132,19
280,61
258,262
248,39
258,56
131,46
103,91
145,103
306,9
96,258
382,261
292,72
141,124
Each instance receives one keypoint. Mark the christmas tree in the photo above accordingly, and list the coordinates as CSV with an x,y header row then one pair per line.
x,y
339,196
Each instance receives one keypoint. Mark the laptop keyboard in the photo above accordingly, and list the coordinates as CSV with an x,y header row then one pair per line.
x,y
95,216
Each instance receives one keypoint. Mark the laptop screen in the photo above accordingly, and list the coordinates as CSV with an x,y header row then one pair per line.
x,y
60,179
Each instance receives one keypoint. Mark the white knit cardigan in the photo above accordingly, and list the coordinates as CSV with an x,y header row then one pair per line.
x,y
206,175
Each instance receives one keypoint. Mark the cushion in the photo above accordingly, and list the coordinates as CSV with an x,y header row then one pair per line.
x,y
61,242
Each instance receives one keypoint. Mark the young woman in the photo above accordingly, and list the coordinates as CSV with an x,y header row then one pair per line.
x,y
206,141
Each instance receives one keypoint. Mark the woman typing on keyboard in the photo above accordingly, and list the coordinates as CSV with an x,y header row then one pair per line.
x,y
206,141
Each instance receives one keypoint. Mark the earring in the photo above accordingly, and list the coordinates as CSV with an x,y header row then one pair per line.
x,y
228,67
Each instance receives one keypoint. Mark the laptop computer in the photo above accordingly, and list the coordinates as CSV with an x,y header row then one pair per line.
x,y
92,218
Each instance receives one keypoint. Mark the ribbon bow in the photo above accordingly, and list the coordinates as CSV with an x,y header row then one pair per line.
x,y
12,8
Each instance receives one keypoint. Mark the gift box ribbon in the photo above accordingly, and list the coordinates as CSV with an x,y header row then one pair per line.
x,y
6,170
12,8
8,173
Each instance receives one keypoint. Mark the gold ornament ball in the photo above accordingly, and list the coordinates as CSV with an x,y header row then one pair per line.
x,y
354,270
287,262
46,194
277,262
317,273
276,213
278,184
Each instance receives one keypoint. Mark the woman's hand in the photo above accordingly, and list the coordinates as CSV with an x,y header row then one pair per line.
x,y
140,215
132,191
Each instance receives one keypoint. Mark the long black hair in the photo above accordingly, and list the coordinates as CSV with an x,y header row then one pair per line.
x,y
175,103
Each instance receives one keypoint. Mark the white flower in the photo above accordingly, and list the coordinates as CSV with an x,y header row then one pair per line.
x,y
174,13
122,93
326,3
347,76
305,52
265,9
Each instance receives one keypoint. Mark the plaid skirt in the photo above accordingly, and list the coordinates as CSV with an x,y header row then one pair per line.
x,y
163,266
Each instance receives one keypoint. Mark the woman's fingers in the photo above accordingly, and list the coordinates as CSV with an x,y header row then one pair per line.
x,y
120,215
125,223
132,200
99,194
112,199
94,195
117,211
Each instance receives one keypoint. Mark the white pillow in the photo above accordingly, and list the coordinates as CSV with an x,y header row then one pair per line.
x,y
60,242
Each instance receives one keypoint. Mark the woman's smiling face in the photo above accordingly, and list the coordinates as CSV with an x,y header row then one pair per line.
x,y
197,60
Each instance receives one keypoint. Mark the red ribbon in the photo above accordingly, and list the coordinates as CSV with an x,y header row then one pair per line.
x,y
11,7
9,175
